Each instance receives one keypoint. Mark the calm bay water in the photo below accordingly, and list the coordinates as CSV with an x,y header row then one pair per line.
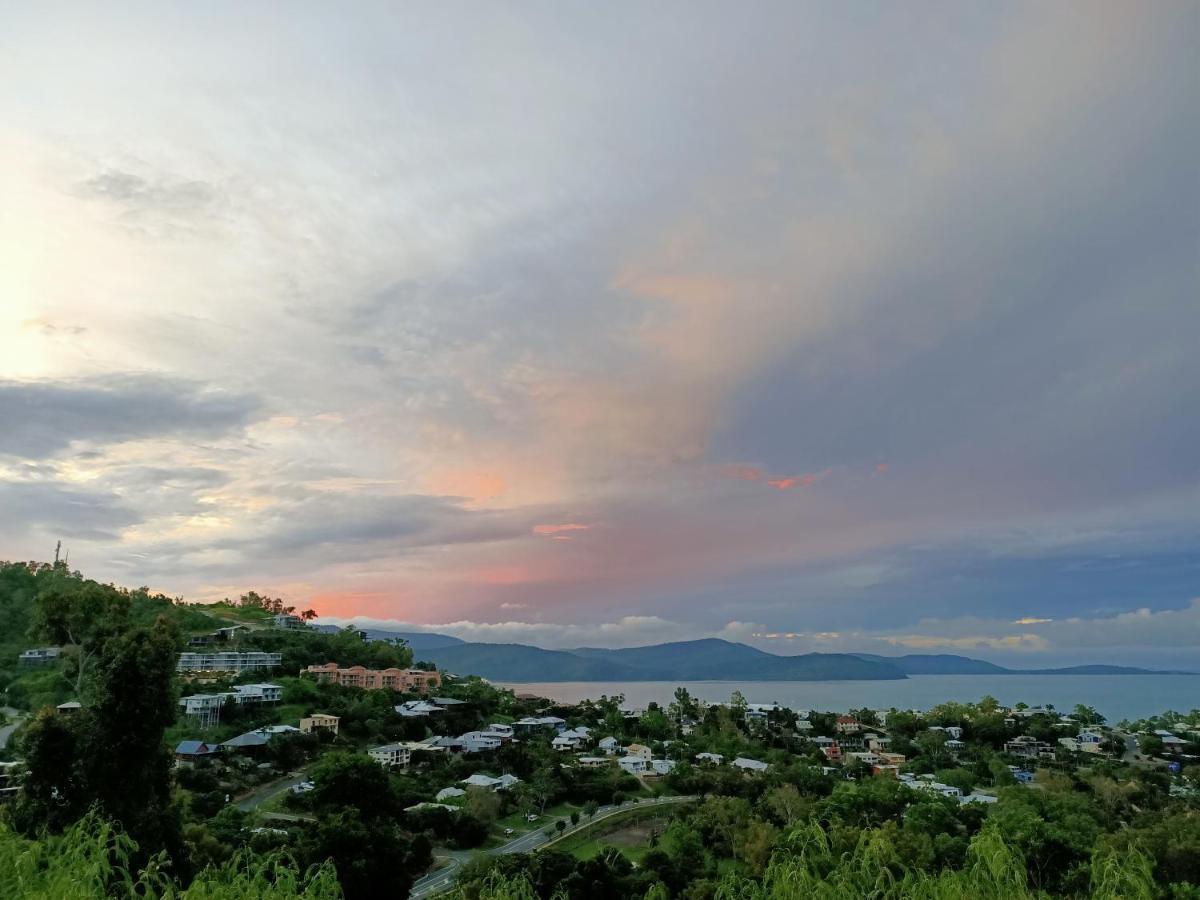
x,y
1116,696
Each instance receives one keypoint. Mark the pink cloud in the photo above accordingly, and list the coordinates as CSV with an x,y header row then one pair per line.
x,y
556,530
786,484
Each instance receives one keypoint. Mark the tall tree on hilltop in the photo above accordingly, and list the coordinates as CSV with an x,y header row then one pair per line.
x,y
82,615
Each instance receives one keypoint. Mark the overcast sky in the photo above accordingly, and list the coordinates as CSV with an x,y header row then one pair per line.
x,y
820,326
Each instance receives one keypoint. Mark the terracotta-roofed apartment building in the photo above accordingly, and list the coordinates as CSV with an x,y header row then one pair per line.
x,y
406,680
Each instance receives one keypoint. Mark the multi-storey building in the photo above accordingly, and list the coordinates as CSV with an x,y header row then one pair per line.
x,y
406,680
228,661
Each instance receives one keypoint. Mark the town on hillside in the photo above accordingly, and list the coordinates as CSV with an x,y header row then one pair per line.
x,y
275,736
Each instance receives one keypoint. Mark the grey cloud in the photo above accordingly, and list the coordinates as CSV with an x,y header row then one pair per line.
x,y
53,510
137,193
42,418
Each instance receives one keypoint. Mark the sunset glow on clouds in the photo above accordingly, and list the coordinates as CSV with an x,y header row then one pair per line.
x,y
870,330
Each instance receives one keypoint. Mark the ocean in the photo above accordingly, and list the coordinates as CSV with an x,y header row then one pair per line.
x,y
1117,697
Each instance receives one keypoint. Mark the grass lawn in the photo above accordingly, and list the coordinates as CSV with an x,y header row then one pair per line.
x,y
516,821
629,831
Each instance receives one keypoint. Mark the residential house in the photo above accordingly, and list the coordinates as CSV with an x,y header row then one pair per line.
x,y
979,798
803,725
394,755
752,766
714,759
250,743
227,661
257,693
449,793
609,745
1085,742
866,757
848,725
190,751
593,762
884,770
892,759
449,702
761,710
571,740
1028,746
70,708
287,620
479,780
954,746
953,732
480,741
1171,743
504,732
661,766
417,709
407,681
318,721
531,724
639,750
634,765
41,656
877,743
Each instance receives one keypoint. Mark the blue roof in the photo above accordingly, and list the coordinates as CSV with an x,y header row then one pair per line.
x,y
192,748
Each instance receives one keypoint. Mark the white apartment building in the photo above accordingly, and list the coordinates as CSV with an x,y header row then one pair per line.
x,y
228,661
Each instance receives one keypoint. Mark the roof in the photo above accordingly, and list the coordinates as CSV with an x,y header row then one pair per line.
x,y
446,793
480,780
194,748
249,739
448,701
743,763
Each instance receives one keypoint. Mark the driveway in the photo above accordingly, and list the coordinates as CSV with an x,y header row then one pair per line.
x,y
262,794
15,718
436,882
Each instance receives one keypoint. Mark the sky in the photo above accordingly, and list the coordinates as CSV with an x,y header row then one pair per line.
x,y
866,327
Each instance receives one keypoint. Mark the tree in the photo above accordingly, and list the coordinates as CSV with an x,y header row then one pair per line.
x,y
111,753
82,615
483,804
308,615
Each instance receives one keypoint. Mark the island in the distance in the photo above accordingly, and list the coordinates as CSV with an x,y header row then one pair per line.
x,y
711,659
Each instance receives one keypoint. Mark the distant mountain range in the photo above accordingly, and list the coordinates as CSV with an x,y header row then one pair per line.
x,y
705,660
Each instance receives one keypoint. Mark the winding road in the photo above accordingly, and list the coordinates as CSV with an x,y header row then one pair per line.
x,y
438,881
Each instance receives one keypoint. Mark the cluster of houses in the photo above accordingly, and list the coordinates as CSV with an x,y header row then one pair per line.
x,y
248,744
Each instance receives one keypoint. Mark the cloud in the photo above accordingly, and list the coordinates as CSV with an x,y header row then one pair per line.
x,y
52,415
51,511
558,529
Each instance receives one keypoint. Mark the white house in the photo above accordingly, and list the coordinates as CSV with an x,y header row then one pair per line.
x,y
258,693
392,755
634,765
713,758
504,732
570,740
750,765
640,750
661,766
480,741
610,745
954,732
593,762
479,780
538,723
416,709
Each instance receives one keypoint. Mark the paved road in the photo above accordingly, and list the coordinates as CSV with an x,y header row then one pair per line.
x,y
261,795
15,717
436,882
